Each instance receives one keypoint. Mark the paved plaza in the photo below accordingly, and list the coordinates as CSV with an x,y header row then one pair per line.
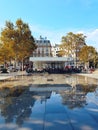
x,y
50,102
92,75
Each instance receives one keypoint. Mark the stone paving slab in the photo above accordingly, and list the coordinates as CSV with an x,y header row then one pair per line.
x,y
57,121
5,77
50,114
82,120
90,75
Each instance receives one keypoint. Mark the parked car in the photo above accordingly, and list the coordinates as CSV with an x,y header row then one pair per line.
x,y
13,69
1,68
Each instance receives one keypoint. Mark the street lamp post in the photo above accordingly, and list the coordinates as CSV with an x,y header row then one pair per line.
x,y
76,55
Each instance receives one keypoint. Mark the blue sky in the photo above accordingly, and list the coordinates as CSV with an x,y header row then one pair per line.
x,y
54,18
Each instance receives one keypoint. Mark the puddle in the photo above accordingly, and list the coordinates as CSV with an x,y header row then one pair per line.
x,y
71,104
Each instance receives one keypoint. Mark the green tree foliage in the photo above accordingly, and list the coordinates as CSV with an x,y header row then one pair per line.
x,y
17,41
96,61
88,53
6,48
71,44
5,54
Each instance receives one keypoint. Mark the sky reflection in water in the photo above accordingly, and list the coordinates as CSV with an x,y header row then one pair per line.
x,y
75,107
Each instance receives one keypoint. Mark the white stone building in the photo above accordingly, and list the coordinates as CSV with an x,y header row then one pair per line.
x,y
43,48
55,50
47,56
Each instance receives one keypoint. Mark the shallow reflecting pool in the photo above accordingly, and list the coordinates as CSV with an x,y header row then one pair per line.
x,y
69,106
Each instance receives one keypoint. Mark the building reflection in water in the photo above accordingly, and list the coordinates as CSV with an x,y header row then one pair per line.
x,y
16,109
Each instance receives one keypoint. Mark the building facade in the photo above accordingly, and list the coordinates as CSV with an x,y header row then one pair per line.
x,y
55,50
46,56
43,48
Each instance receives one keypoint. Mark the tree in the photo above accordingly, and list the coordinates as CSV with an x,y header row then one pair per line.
x,y
88,53
71,44
5,54
18,39
25,41
5,47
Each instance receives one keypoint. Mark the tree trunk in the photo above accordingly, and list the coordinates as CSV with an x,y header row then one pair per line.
x,y
22,65
4,62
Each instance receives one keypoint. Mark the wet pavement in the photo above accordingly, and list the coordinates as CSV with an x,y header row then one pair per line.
x,y
50,102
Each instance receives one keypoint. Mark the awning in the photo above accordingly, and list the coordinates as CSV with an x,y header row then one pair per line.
x,y
55,59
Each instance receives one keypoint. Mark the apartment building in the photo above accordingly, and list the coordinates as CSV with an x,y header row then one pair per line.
x,y
43,48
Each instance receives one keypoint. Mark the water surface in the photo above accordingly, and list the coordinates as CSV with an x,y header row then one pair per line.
x,y
51,106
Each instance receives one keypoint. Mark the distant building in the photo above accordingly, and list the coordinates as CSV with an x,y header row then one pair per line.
x,y
55,50
47,56
73,55
43,48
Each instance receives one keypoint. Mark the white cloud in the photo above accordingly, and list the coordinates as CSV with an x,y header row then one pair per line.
x,y
1,26
55,35
92,38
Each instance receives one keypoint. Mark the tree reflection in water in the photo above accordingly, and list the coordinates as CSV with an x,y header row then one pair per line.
x,y
16,109
77,97
19,108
